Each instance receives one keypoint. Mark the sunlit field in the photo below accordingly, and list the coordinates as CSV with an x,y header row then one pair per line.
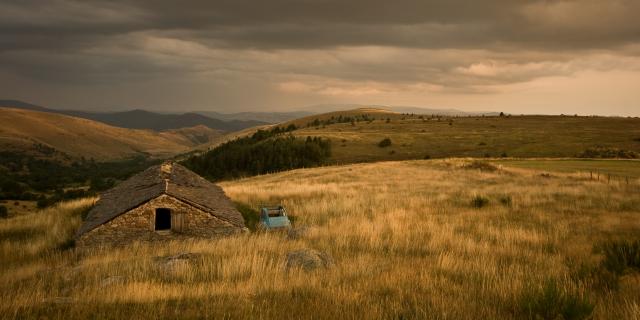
x,y
417,137
438,239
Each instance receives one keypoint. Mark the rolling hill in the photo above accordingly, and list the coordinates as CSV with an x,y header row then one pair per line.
x,y
266,117
345,116
141,119
417,137
35,131
324,108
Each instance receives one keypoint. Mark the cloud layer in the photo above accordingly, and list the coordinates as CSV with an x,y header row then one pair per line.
x,y
238,55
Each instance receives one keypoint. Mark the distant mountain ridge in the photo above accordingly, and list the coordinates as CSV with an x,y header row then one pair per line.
x,y
228,122
142,119
325,108
268,117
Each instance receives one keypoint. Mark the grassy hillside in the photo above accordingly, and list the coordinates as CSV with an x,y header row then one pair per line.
x,y
142,119
266,117
417,137
24,130
376,113
408,240
597,169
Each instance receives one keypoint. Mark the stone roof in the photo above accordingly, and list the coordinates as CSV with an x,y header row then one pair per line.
x,y
168,178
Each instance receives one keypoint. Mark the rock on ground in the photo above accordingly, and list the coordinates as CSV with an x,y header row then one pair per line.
x,y
112,280
174,262
308,259
297,232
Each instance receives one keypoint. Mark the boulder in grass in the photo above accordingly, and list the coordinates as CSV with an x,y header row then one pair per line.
x,y
309,259
297,232
113,280
178,261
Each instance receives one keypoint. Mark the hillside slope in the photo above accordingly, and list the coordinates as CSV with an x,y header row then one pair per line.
x,y
344,116
24,130
403,238
142,119
416,137
266,117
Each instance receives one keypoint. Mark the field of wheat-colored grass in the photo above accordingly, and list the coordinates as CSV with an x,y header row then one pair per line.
x,y
408,240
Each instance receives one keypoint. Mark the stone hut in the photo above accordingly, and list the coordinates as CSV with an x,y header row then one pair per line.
x,y
164,202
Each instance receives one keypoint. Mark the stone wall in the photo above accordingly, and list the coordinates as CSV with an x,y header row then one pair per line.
x,y
139,225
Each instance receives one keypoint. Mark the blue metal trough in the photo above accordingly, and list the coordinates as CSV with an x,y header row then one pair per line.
x,y
274,217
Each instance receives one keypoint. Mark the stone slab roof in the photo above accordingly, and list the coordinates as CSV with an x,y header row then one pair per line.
x,y
168,178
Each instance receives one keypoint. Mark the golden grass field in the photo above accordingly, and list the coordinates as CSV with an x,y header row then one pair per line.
x,y
406,242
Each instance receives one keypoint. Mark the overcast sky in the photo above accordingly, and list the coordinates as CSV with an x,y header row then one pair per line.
x,y
518,56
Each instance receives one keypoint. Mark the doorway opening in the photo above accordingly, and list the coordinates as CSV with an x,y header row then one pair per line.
x,y
163,219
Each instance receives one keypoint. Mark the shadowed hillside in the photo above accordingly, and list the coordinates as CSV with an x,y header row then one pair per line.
x,y
24,131
141,119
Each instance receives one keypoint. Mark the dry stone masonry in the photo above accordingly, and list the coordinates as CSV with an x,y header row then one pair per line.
x,y
165,202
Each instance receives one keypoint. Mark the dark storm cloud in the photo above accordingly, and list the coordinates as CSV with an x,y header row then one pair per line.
x,y
312,45
324,23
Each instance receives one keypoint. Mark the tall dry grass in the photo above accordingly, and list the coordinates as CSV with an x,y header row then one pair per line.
x,y
406,240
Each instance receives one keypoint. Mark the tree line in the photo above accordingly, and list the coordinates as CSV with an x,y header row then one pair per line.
x,y
25,177
263,152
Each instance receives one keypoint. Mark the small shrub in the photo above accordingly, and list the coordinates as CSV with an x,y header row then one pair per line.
x,y
505,200
384,143
599,277
250,215
551,302
4,212
636,139
427,157
608,153
479,202
392,152
66,244
504,155
482,143
480,165
621,256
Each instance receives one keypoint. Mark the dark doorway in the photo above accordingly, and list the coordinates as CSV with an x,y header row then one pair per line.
x,y
163,219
